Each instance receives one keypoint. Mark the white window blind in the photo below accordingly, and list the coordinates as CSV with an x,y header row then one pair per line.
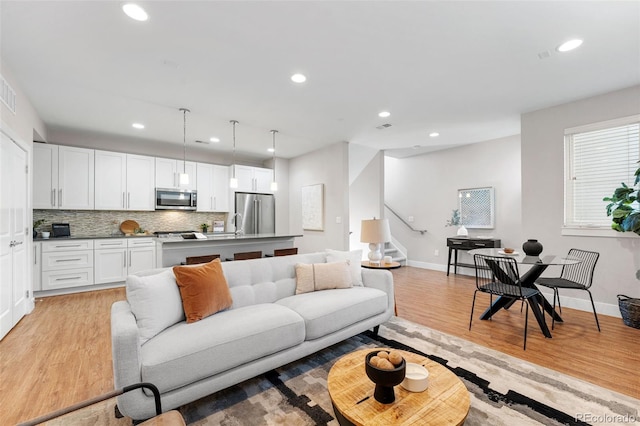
x,y
598,161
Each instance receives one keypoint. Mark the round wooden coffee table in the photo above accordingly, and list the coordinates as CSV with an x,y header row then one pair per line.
x,y
445,402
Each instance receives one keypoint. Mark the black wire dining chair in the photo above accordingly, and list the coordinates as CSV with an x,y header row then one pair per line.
x,y
577,276
499,276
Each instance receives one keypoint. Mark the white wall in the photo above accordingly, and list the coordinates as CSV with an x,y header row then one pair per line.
x,y
543,203
328,166
366,190
426,187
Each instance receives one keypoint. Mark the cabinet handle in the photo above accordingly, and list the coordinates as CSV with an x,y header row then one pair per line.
x,y
129,258
67,279
35,255
60,197
69,245
53,197
479,244
109,244
128,200
211,202
123,206
67,260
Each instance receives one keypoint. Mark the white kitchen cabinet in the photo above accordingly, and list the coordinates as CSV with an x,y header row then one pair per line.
x,y
221,190
168,171
213,188
63,177
141,189
253,179
37,266
124,181
115,258
141,253
110,260
67,264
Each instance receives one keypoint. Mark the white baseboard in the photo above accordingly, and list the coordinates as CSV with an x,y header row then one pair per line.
x,y
566,301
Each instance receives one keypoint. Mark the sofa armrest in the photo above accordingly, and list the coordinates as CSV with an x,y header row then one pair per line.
x,y
382,280
125,346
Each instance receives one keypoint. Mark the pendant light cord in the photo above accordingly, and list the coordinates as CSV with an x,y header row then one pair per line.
x,y
184,139
233,155
273,132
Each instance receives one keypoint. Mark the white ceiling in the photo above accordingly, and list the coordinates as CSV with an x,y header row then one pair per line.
x,y
464,69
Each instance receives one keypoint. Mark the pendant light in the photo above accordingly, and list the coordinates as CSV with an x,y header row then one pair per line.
x,y
274,184
233,182
184,177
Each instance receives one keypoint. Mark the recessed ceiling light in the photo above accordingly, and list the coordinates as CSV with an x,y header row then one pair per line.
x,y
298,78
569,45
137,126
271,150
134,11
214,139
434,134
384,114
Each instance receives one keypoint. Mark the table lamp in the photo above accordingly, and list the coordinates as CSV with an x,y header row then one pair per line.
x,y
375,232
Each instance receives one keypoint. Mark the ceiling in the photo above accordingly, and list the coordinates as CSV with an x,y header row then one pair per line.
x,y
464,69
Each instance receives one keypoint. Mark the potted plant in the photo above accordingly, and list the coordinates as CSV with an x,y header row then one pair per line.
x,y
624,208
204,228
36,224
455,221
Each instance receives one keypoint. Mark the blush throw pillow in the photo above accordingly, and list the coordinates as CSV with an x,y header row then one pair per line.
x,y
322,276
354,257
203,288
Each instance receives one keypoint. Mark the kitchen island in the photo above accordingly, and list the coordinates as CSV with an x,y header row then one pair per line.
x,y
174,250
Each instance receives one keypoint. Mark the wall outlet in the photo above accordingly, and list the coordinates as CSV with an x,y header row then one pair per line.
x,y
410,219
436,252
338,219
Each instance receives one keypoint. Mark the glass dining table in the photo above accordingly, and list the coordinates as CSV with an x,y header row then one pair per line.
x,y
538,265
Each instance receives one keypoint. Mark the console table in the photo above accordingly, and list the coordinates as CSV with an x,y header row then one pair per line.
x,y
467,243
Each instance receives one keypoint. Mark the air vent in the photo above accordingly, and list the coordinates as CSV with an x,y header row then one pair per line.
x,y
203,142
7,94
383,126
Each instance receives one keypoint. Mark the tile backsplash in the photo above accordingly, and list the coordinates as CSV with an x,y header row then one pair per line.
x,y
101,223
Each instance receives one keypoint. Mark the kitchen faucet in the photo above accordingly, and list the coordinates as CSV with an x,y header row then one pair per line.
x,y
235,222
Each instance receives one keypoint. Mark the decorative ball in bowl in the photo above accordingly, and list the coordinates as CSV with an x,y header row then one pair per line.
x,y
508,250
386,369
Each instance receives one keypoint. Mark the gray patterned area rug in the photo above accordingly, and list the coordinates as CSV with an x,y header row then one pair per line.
x,y
504,390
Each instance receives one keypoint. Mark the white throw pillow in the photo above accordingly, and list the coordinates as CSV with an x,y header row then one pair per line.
x,y
155,302
354,257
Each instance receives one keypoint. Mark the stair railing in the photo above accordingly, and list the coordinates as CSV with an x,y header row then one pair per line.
x,y
421,231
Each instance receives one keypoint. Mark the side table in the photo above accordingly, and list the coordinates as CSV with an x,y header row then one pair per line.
x,y
467,243
381,265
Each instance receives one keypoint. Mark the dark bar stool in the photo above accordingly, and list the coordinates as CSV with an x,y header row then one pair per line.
x,y
194,260
284,252
247,255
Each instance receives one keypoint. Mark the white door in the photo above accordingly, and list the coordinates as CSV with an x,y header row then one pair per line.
x,y
45,176
13,232
75,178
110,180
140,183
221,191
205,187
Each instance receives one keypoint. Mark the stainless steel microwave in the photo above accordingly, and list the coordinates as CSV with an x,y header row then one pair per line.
x,y
176,199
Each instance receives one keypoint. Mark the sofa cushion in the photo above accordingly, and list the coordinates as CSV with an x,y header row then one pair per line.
x,y
186,353
354,257
155,302
203,289
325,312
322,276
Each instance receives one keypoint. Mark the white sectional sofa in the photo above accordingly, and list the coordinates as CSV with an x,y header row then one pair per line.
x,y
267,326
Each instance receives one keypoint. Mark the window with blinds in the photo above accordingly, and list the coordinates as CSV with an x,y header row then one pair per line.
x,y
599,158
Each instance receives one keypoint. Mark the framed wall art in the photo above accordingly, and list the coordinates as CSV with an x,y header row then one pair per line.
x,y
313,207
477,207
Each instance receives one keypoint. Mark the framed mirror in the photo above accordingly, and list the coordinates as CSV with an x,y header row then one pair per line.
x,y
477,207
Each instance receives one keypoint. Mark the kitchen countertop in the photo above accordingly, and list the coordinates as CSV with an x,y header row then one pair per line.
x,y
210,237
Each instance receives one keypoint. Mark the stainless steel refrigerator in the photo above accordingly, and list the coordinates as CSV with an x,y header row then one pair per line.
x,y
257,213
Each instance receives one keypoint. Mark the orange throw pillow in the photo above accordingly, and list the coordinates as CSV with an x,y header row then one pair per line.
x,y
203,288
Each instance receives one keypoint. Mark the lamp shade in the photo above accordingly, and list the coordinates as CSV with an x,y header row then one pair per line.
x,y
375,231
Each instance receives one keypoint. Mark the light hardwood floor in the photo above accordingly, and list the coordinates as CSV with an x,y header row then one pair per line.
x,y
61,353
